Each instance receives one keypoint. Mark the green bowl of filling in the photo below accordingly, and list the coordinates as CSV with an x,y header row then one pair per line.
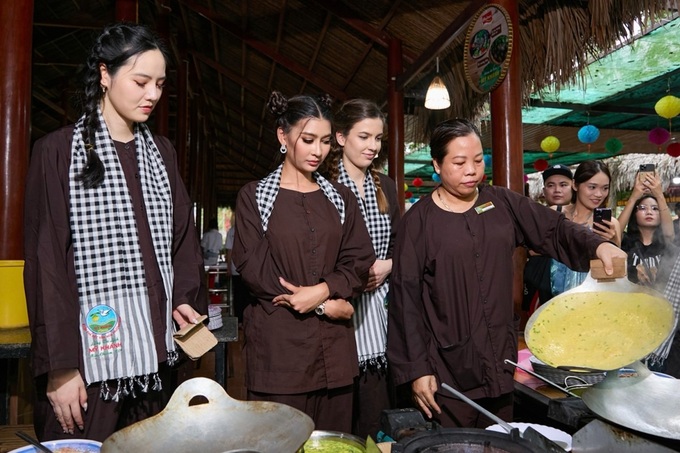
x,y
333,442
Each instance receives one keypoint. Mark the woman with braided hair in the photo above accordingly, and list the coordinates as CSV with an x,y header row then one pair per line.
x,y
113,263
354,162
302,248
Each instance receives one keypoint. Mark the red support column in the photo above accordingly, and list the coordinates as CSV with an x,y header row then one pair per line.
x,y
395,119
127,10
508,146
506,115
16,42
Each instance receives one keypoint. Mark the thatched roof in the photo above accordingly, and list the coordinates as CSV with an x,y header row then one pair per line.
x,y
557,41
238,51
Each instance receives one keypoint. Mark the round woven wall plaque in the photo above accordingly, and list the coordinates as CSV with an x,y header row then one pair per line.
x,y
488,48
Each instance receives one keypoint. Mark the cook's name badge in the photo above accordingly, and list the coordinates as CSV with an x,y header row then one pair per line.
x,y
482,208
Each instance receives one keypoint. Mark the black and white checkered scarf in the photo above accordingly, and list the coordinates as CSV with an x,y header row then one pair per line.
x,y
268,189
370,314
117,335
672,293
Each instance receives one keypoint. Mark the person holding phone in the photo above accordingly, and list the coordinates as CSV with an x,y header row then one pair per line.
x,y
590,190
649,235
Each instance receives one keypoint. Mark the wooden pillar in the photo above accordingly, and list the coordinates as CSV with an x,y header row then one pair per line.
x,y
506,115
16,41
127,10
182,134
162,112
508,146
395,119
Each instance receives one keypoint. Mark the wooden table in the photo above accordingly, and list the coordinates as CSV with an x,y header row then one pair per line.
x,y
15,344
9,441
225,334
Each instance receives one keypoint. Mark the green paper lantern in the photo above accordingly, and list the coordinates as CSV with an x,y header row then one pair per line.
x,y
613,145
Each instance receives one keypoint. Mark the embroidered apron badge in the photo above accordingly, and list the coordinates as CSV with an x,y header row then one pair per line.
x,y
102,324
482,208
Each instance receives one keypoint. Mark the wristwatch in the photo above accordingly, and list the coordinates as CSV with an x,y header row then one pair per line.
x,y
320,309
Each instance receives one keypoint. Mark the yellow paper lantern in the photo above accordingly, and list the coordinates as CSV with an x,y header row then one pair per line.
x,y
405,187
550,144
668,106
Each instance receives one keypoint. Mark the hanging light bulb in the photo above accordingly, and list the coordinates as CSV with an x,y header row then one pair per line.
x,y
437,97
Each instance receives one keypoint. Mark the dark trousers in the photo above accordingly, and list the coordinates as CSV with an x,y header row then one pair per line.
x,y
459,414
331,409
102,418
371,397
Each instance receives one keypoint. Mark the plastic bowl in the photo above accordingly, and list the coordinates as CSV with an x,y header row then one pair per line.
x,y
322,441
65,446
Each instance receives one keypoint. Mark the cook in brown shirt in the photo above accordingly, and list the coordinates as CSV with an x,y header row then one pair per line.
x,y
451,314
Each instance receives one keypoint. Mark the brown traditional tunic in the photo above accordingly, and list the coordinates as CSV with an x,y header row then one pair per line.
x,y
288,352
49,274
451,310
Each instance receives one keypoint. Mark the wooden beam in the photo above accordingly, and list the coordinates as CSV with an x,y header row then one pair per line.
x,y
440,43
265,49
377,35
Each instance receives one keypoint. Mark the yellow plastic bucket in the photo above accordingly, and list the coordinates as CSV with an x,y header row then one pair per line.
x,y
12,298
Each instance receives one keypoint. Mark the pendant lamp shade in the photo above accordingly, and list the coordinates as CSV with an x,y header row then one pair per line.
x,y
437,97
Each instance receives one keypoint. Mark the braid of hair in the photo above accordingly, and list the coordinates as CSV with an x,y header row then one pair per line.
x,y
330,167
383,204
93,173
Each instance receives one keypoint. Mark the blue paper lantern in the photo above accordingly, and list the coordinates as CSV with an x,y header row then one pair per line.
x,y
413,200
588,134
487,160
436,178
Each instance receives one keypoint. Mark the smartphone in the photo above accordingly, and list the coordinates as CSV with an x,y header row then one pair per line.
x,y
646,168
600,214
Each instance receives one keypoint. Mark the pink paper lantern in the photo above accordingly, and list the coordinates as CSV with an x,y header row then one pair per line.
x,y
659,136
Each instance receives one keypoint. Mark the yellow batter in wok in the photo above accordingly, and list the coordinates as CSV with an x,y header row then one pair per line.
x,y
603,330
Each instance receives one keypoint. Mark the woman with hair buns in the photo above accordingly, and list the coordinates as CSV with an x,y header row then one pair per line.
x,y
302,247
112,256
354,162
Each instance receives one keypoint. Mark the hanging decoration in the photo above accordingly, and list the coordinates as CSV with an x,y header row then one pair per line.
x,y
613,145
541,164
417,182
659,136
588,134
436,178
488,48
405,187
668,107
487,160
550,144
408,194
673,149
